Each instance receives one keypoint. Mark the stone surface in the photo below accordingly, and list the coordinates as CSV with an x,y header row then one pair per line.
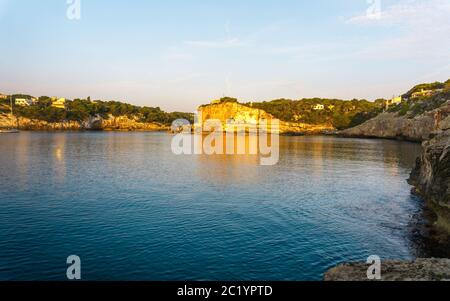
x,y
419,270
122,123
392,126
431,177
238,113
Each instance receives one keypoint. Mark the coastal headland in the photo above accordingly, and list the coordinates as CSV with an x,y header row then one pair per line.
x,y
420,115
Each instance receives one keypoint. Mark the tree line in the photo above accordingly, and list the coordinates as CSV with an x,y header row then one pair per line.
x,y
339,113
82,109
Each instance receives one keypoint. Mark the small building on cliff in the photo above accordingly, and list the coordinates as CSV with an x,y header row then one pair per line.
x,y
59,103
319,107
23,102
425,93
395,101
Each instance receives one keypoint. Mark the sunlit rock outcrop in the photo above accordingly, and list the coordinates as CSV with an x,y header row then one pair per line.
x,y
231,114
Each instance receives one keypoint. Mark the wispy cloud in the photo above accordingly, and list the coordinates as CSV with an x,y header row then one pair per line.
x,y
250,39
307,51
422,31
226,43
408,13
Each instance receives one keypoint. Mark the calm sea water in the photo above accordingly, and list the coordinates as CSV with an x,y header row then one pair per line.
x,y
134,211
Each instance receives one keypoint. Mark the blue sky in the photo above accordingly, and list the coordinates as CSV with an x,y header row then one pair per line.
x,y
178,54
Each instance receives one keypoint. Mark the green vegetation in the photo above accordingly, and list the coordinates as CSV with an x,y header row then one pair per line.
x,y
427,86
222,101
339,113
344,114
82,109
228,100
425,104
412,107
4,108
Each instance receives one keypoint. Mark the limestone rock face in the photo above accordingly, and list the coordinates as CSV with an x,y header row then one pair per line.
x,y
122,123
419,270
431,177
232,113
390,125
40,125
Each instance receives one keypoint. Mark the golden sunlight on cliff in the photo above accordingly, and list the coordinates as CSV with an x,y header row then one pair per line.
x,y
231,114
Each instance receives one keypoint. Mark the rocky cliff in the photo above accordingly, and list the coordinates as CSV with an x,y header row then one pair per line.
x,y
431,177
232,113
122,123
428,120
413,128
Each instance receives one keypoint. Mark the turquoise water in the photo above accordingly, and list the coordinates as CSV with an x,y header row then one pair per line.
x,y
134,211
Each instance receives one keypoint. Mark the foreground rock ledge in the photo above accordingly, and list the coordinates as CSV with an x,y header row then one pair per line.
x,y
418,270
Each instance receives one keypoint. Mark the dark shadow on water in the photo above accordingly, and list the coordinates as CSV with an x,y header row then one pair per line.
x,y
427,241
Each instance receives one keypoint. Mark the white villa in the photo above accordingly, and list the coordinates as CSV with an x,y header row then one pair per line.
x,y
395,101
59,103
319,107
23,102
424,92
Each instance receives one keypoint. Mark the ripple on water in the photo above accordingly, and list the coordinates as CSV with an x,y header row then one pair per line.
x,y
133,211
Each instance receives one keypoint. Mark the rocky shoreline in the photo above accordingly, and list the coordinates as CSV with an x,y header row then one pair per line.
x,y
426,269
431,178
431,175
412,128
121,123
431,181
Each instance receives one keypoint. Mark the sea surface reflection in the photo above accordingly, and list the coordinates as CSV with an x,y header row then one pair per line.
x,y
132,210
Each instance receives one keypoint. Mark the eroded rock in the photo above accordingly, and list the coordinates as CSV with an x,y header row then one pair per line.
x,y
392,126
431,177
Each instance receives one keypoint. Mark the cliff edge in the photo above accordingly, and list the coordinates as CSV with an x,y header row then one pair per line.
x,y
408,127
230,113
425,120
431,177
